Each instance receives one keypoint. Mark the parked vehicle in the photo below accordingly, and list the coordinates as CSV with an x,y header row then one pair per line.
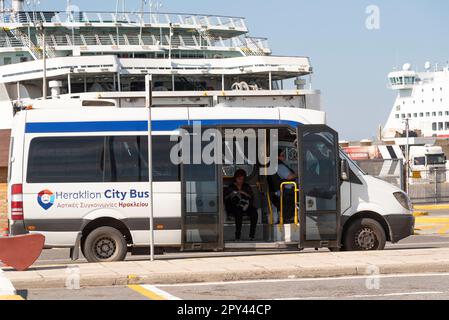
x,y
80,176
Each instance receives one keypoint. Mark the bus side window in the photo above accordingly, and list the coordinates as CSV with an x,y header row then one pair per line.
x,y
83,159
129,159
163,168
66,160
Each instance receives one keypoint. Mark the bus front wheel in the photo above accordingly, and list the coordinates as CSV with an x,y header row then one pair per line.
x,y
365,235
105,244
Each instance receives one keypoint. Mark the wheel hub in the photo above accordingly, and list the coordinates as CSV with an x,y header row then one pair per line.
x,y
105,248
366,239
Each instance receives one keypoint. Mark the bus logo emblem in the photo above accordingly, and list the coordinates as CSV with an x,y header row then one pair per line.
x,y
46,199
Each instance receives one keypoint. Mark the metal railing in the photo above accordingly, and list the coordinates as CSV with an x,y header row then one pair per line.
x,y
296,209
249,45
429,186
26,42
391,171
426,186
135,18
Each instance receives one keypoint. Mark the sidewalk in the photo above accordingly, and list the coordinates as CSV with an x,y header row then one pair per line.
x,y
299,265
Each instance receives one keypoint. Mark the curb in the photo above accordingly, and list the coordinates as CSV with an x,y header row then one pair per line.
x,y
7,290
241,275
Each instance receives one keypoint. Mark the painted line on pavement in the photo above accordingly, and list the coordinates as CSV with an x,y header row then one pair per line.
x,y
384,276
419,228
432,219
433,225
7,290
432,207
444,230
361,296
152,293
416,245
11,297
417,214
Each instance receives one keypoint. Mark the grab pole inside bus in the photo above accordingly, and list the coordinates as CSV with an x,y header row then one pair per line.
x,y
149,104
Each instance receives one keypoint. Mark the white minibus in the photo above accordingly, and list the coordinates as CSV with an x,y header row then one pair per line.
x,y
79,175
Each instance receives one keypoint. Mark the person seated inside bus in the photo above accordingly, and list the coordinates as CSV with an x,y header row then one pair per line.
x,y
284,174
239,201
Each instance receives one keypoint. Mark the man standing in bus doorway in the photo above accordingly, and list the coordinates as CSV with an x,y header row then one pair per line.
x,y
286,174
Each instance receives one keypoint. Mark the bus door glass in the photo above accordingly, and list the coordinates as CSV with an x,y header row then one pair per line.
x,y
319,187
202,200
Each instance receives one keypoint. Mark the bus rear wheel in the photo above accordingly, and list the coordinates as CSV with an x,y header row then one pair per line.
x,y
105,244
365,235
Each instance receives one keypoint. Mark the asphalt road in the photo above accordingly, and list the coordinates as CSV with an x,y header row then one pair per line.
x,y
61,256
402,287
394,287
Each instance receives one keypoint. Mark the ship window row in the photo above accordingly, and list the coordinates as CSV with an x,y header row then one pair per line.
x,y
423,101
421,114
433,89
414,102
440,126
399,81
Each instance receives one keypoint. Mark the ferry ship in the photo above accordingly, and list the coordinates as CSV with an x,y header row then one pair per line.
x,y
422,101
194,59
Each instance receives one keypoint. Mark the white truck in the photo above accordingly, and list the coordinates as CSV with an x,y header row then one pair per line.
x,y
425,161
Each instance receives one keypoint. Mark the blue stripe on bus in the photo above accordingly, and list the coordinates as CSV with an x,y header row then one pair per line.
x,y
138,126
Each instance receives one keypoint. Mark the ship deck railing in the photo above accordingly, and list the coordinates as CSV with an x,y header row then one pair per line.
x,y
254,45
131,18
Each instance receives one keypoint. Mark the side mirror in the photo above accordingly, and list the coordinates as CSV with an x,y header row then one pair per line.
x,y
344,170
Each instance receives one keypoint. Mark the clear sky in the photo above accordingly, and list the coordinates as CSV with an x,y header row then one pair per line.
x,y
351,63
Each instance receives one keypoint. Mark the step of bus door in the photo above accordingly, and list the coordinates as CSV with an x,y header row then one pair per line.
x,y
286,232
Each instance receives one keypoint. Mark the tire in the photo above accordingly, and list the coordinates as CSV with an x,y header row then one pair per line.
x,y
365,235
105,244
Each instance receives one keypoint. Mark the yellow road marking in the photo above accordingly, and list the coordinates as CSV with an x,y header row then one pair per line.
x,y
14,297
153,292
147,293
432,220
426,227
443,230
433,207
420,214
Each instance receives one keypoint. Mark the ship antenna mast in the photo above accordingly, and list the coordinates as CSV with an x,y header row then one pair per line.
x,y
117,6
2,10
142,10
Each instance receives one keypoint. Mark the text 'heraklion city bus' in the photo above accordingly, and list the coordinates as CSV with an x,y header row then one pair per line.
x,y
80,176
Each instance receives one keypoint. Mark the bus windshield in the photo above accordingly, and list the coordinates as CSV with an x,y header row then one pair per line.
x,y
343,155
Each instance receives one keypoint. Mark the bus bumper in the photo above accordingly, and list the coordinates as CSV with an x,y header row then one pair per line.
x,y
17,228
401,226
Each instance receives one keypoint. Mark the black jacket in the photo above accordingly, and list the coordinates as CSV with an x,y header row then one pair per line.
x,y
232,188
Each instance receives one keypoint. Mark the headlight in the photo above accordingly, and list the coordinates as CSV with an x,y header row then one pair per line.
x,y
404,200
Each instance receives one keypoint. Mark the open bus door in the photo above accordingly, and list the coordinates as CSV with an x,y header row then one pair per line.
x,y
202,201
319,187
